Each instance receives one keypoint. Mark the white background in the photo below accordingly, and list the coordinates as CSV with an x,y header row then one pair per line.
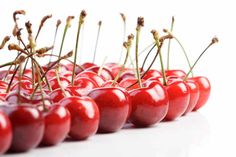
x,y
211,131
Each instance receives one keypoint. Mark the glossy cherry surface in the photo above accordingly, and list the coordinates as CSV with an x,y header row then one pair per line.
x,y
5,133
27,126
57,125
84,116
149,104
113,104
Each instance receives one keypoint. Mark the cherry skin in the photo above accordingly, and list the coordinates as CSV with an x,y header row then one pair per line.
x,y
88,65
126,74
5,133
129,81
84,85
25,85
57,94
27,126
57,125
93,76
70,66
106,74
149,104
179,97
194,95
113,104
177,73
84,116
54,83
152,73
204,91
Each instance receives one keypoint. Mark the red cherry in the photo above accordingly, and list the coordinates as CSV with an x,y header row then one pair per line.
x,y
105,74
57,125
57,94
84,116
88,65
27,126
177,73
152,73
129,81
149,104
93,76
69,67
194,95
84,85
54,83
113,104
25,86
5,133
126,74
179,97
204,91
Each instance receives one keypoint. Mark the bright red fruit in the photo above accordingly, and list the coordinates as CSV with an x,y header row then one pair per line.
x,y
5,133
177,73
179,97
149,104
84,116
114,106
57,125
204,91
27,126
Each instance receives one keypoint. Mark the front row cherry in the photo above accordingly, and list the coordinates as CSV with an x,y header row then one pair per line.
x,y
44,105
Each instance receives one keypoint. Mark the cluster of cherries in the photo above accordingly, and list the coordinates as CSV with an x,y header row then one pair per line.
x,y
44,105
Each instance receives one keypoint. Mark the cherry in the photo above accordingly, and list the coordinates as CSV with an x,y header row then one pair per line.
x,y
78,68
88,65
5,133
84,116
129,81
179,96
177,73
93,76
105,73
152,73
57,94
55,84
194,95
27,126
114,106
57,125
126,74
83,85
204,91
149,104
26,86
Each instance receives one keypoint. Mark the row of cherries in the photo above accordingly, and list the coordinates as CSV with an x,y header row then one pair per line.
x,y
44,105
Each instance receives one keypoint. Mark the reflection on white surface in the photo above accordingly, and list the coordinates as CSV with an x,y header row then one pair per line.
x,y
167,139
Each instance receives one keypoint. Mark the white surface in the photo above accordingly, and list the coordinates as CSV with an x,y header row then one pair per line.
x,y
208,133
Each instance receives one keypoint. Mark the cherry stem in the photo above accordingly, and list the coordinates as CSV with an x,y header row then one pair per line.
x,y
156,38
68,21
54,40
4,41
44,19
59,82
213,41
19,80
127,45
96,45
146,57
81,21
185,53
101,67
169,43
49,68
124,35
140,23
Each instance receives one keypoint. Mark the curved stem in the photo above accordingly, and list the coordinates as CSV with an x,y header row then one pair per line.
x,y
146,57
136,58
169,43
185,53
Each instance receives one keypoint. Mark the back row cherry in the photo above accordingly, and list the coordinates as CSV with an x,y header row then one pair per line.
x,y
44,104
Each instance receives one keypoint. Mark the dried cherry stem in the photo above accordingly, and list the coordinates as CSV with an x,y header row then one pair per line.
x,y
19,60
127,45
68,24
44,19
81,22
49,68
96,45
213,41
124,34
140,24
182,47
102,66
169,43
4,41
157,40
54,39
